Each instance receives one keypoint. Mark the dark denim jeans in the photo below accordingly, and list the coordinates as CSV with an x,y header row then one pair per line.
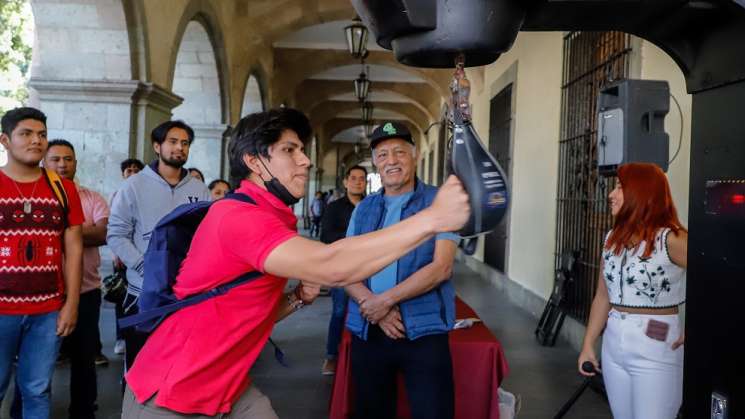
x,y
427,368
315,227
33,339
339,300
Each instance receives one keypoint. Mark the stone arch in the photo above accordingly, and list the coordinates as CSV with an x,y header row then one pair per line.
x,y
253,96
196,79
312,13
248,60
259,27
201,12
268,22
134,14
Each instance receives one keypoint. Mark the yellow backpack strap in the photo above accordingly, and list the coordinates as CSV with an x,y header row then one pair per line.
x,y
55,182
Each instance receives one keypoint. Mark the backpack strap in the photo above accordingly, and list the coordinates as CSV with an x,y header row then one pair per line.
x,y
239,196
279,355
55,183
163,311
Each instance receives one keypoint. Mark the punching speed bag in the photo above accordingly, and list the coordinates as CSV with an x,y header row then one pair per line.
x,y
479,171
482,177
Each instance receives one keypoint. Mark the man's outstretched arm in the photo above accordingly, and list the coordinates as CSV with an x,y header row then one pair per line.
x,y
356,258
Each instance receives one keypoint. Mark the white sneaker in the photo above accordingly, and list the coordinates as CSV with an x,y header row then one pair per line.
x,y
119,347
329,367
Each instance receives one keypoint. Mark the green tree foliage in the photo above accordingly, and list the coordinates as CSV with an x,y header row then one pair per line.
x,y
16,37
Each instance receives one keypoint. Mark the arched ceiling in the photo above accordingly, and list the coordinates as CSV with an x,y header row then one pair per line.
x,y
297,50
418,94
333,127
334,109
355,134
327,35
314,72
377,72
292,66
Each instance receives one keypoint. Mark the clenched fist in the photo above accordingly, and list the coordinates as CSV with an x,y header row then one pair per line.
x,y
451,206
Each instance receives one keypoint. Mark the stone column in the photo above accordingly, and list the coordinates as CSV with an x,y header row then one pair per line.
x,y
95,116
107,121
152,105
225,161
206,152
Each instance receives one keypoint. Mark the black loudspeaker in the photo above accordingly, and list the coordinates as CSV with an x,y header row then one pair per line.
x,y
631,124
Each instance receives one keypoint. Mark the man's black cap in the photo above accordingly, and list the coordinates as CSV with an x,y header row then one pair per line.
x,y
390,129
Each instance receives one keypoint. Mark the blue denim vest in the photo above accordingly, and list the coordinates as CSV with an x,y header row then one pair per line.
x,y
427,314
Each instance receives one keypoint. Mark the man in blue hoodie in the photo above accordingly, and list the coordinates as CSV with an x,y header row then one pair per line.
x,y
400,316
141,202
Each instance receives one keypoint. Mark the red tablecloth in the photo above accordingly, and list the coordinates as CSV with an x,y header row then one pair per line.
x,y
479,366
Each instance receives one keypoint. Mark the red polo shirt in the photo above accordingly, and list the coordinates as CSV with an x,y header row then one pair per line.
x,y
198,359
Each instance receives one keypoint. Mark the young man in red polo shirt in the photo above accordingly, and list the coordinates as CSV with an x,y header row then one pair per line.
x,y
198,361
38,299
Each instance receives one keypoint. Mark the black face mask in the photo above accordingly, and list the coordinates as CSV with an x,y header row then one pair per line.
x,y
276,188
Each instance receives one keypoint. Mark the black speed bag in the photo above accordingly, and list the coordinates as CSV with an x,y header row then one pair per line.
x,y
482,177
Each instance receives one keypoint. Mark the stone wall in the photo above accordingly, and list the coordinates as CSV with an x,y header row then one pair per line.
x,y
80,40
95,118
81,77
196,80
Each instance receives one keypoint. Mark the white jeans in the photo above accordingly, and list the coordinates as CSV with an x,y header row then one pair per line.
x,y
643,376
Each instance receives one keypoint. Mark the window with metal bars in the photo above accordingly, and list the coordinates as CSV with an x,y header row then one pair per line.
x,y
591,60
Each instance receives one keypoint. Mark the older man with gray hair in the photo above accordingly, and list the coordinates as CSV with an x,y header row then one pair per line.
x,y
400,316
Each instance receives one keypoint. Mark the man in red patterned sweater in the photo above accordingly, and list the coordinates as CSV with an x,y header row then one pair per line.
x,y
38,298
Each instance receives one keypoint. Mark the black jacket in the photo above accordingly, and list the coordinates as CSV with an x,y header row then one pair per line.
x,y
336,220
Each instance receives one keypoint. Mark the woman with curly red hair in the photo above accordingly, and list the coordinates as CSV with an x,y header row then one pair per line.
x,y
637,299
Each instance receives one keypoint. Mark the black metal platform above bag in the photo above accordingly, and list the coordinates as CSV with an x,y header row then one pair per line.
x,y
421,35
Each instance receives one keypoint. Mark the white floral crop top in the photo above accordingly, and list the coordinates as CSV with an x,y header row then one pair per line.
x,y
653,282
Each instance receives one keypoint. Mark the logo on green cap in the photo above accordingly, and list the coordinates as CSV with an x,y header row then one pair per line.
x,y
389,129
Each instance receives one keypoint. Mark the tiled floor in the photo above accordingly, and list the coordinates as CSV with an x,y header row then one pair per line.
x,y
544,377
